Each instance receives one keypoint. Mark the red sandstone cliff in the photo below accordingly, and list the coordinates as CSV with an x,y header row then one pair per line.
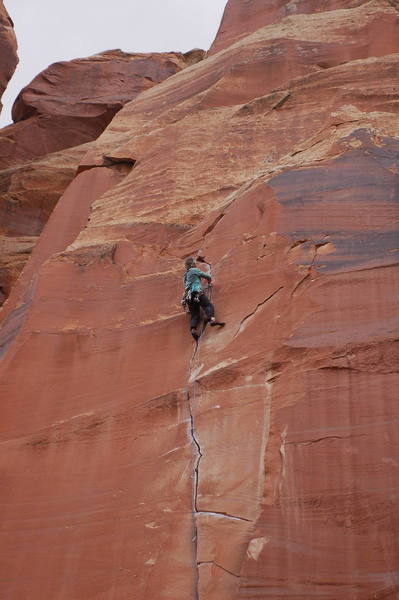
x,y
71,103
8,49
265,464
65,106
243,17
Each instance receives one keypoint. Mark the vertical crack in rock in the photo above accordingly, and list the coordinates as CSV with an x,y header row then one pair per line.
x,y
194,476
197,460
198,456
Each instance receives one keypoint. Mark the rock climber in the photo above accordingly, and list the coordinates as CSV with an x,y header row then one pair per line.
x,y
195,298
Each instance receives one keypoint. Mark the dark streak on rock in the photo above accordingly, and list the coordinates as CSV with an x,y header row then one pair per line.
x,y
322,439
256,308
211,562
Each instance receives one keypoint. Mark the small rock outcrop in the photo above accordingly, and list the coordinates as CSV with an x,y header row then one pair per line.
x,y
8,49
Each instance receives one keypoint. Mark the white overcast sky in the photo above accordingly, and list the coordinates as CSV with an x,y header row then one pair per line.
x,y
49,31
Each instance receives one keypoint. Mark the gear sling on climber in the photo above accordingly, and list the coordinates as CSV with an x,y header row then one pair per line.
x,y
195,298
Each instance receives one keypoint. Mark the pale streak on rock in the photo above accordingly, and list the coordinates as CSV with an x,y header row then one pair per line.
x,y
256,546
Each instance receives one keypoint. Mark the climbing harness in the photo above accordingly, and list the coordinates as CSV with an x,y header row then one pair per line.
x,y
188,297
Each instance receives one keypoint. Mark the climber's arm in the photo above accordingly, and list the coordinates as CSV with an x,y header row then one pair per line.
x,y
203,274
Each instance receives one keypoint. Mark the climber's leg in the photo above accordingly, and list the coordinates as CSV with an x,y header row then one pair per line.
x,y
208,307
210,311
194,308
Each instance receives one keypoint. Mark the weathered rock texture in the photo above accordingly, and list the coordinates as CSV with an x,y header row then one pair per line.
x,y
70,103
67,104
29,193
8,49
265,463
247,16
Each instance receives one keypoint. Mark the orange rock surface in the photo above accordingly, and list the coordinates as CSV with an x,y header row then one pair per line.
x,y
51,126
29,194
70,103
8,49
244,17
264,463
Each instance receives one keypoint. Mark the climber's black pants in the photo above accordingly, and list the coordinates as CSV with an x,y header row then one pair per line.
x,y
194,307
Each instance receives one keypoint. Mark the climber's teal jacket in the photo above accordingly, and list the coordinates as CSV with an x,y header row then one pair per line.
x,y
192,279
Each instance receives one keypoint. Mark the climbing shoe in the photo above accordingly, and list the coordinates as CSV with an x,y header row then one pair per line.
x,y
217,324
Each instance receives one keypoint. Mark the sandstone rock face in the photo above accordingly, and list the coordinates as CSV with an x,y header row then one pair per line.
x,y
67,104
71,103
242,17
262,464
8,49
29,193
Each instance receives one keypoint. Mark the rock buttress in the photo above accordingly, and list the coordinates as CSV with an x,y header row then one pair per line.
x,y
264,464
8,49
